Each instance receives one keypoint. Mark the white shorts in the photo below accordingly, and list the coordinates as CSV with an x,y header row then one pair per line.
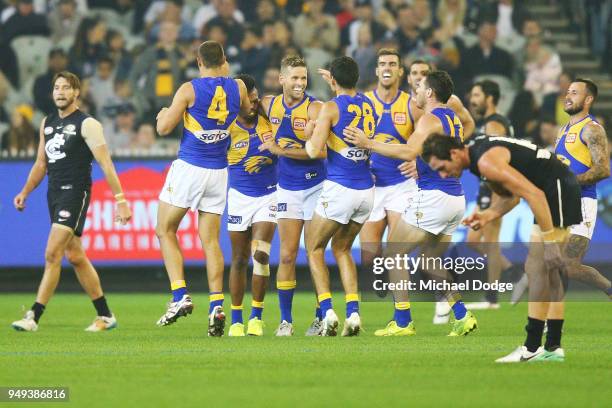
x,y
343,204
589,216
244,211
189,186
297,204
435,212
392,198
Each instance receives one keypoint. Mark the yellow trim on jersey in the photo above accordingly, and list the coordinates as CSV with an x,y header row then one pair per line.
x,y
299,117
336,143
191,124
574,144
399,112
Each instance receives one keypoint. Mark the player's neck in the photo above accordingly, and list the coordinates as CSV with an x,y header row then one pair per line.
x,y
247,122
387,95
62,113
211,72
342,91
290,101
491,110
432,104
577,117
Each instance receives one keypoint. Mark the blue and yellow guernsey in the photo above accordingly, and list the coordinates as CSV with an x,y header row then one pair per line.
x,y
347,164
206,123
251,172
572,150
394,127
430,179
288,125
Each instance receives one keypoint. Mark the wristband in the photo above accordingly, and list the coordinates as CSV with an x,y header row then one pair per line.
x,y
549,236
121,201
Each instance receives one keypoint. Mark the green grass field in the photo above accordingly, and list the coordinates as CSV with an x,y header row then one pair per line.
x,y
141,365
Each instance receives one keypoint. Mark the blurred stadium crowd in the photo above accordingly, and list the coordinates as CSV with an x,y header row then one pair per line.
x,y
132,55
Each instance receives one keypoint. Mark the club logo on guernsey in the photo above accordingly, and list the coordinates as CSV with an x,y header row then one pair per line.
x,y
355,153
211,136
53,148
571,138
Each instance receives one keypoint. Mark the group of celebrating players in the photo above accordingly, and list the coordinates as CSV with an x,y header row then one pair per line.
x,y
355,165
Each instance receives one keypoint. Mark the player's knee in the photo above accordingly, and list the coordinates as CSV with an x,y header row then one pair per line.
x,y
75,257
260,251
288,256
339,248
53,256
161,231
240,262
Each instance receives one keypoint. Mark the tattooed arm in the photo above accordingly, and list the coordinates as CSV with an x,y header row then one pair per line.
x,y
595,137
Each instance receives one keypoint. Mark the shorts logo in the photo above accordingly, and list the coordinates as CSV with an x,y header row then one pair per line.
x,y
311,175
275,121
272,208
571,138
64,214
299,123
48,130
282,207
234,219
399,118
418,215
324,204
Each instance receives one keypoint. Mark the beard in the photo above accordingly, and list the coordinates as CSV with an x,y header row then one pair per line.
x,y
63,104
574,109
478,110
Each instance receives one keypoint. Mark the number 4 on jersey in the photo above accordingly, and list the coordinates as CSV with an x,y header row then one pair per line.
x,y
218,106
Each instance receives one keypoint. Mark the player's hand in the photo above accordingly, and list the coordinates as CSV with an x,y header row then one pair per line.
x,y
409,169
161,113
553,259
272,147
478,220
326,75
19,201
123,213
357,137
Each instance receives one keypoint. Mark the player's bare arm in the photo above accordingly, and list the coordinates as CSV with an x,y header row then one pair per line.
x,y
315,147
94,137
264,105
37,173
426,126
495,128
464,115
245,102
169,118
595,137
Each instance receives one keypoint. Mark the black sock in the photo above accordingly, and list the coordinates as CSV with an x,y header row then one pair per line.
x,y
491,296
534,329
38,309
553,336
101,306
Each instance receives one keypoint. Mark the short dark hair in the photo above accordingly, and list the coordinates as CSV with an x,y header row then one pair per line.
x,y
248,80
292,61
211,54
489,88
345,71
389,51
441,83
73,80
590,85
440,146
420,61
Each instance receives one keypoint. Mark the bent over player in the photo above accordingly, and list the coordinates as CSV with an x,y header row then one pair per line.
x,y
69,140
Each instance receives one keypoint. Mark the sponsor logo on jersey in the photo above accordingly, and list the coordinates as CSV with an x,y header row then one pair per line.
x,y
70,128
234,219
211,136
571,138
355,153
48,130
400,118
281,207
311,175
563,159
66,187
64,213
299,123
275,121
241,144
